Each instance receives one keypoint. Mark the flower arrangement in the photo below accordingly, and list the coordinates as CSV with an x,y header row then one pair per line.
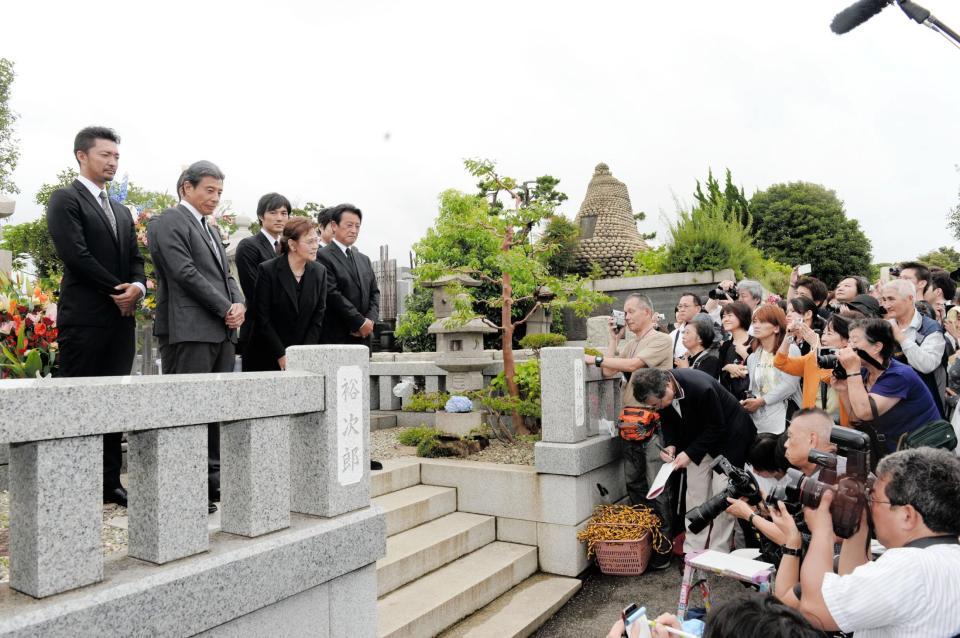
x,y
28,331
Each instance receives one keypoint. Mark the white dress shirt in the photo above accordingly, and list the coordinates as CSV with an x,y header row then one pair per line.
x,y
906,593
95,191
342,247
273,241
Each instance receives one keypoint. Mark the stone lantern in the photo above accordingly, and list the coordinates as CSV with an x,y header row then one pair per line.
x,y
541,319
459,352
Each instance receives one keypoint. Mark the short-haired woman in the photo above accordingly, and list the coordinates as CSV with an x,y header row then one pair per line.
x,y
290,297
880,390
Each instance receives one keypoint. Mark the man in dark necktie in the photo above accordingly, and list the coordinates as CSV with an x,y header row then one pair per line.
x,y
199,305
273,211
353,297
103,279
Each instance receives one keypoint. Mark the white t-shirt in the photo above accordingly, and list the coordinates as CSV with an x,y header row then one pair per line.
x,y
906,593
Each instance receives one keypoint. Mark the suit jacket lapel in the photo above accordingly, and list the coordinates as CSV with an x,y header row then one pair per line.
x,y
268,250
288,282
308,299
207,239
102,214
346,263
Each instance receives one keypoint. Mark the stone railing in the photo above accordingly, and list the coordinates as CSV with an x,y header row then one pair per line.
x,y
296,525
388,369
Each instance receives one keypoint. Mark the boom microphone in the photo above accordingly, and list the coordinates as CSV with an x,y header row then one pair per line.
x,y
856,14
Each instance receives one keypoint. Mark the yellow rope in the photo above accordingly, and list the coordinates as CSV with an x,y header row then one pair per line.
x,y
623,523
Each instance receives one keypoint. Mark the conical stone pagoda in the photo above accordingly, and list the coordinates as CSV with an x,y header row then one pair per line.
x,y
608,231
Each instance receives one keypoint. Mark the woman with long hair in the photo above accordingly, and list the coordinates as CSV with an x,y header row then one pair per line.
x,y
771,388
733,353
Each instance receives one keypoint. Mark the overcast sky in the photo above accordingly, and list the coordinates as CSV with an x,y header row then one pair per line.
x,y
377,103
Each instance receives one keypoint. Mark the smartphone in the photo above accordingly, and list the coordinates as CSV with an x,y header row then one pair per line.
x,y
805,269
619,318
635,621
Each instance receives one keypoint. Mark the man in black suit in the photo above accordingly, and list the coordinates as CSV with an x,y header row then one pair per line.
x,y
199,305
700,420
103,279
353,298
273,211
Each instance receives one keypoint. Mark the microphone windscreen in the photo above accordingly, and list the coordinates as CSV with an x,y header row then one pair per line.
x,y
856,14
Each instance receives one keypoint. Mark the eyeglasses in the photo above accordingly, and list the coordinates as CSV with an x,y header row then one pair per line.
x,y
874,501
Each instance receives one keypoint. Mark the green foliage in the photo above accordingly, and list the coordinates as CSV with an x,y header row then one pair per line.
x,y
9,153
944,257
431,448
799,223
731,199
31,240
426,402
638,217
545,340
649,262
706,238
413,436
64,179
154,200
593,352
411,331
310,209
559,238
953,217
497,399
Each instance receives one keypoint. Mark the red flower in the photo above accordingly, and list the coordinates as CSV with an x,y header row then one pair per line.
x,y
40,329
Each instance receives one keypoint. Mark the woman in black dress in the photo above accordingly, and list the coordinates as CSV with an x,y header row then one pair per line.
x,y
735,318
290,297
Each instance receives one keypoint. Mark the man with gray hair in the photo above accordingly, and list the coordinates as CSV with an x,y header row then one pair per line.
x,y
913,588
199,304
749,292
920,338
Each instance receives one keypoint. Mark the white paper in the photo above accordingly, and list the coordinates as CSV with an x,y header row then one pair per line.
x,y
729,564
608,426
661,481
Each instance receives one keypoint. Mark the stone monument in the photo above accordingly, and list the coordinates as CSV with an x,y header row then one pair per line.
x,y
459,352
608,231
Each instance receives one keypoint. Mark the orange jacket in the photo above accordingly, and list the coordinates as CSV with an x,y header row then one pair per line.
x,y
806,367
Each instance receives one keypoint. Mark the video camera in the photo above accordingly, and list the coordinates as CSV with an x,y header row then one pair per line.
x,y
720,294
847,473
741,484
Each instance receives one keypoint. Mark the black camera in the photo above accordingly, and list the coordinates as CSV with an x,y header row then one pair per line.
x,y
827,359
720,294
894,271
847,473
741,484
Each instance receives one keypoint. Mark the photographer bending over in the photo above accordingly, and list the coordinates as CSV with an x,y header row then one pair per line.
x,y
700,420
913,588
880,389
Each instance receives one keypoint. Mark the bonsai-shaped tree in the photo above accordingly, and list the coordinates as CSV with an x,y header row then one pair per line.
x,y
517,270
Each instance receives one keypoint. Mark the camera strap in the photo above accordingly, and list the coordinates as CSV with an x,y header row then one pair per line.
x,y
930,541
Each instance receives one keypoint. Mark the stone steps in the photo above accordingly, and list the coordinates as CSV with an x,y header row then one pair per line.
x,y
396,475
420,550
433,602
519,612
416,505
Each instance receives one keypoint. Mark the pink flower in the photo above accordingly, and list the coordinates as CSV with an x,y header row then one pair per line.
x,y
6,328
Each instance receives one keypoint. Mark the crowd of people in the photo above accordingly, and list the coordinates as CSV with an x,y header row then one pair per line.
x,y
302,282
770,384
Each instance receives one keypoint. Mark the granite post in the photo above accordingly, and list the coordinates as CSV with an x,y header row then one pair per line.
x,y
56,487
387,399
563,395
330,450
168,493
255,475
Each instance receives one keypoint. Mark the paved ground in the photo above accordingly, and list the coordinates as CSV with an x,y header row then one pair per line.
x,y
597,605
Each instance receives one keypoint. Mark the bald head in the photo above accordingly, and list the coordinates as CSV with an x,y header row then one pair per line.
x,y
813,421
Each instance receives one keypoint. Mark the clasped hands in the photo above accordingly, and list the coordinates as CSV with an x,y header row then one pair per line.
x,y
235,315
127,298
364,330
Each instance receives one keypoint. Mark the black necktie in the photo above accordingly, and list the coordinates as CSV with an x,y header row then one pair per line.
x,y
276,246
353,263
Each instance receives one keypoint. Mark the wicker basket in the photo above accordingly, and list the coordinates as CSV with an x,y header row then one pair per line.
x,y
624,558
